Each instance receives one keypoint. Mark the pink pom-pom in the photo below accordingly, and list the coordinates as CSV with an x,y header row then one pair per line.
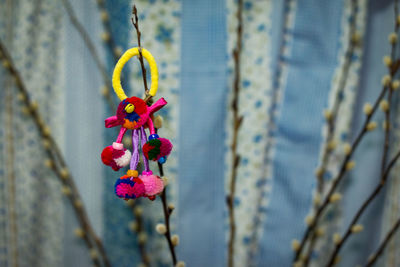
x,y
152,183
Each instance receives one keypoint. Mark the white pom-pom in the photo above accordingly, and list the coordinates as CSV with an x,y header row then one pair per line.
x,y
124,159
161,228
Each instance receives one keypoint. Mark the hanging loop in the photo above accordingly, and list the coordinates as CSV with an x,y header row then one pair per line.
x,y
116,78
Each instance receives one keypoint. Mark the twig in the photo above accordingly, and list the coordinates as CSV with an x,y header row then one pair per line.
x,y
108,38
332,116
139,228
93,51
385,153
57,163
166,209
384,243
135,22
343,170
11,174
167,214
237,121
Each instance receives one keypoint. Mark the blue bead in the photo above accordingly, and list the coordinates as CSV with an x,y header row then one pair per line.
x,y
153,136
162,160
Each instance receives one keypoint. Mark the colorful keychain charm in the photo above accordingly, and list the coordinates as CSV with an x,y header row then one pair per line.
x,y
134,114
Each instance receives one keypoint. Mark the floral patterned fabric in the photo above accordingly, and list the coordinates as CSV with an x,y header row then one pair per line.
x,y
292,61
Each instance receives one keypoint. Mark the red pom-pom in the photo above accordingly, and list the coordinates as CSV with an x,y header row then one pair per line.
x,y
106,155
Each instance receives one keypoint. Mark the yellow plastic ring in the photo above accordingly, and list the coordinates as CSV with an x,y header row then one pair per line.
x,y
116,78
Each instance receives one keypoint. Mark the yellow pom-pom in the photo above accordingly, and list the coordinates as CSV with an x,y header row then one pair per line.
x,y
130,202
133,226
132,173
320,231
127,141
158,122
175,240
386,80
357,228
142,238
21,97
79,232
105,36
347,149
25,110
332,144
105,90
384,105
371,126
34,105
165,180
328,114
350,165
64,173
309,220
356,38
78,203
319,172
93,254
104,15
367,109
335,197
336,238
385,125
138,211
180,264
49,163
395,84
393,38
387,61
317,199
66,190
6,64
46,131
295,245
118,51
161,228
337,260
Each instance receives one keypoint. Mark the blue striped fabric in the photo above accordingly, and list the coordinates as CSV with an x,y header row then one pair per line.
x,y
202,112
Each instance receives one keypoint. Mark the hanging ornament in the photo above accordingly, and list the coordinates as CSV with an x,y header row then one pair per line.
x,y
134,114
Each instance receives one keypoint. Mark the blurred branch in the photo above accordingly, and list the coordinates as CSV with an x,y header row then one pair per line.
x,y
331,118
345,166
57,163
166,208
107,36
386,107
10,168
93,51
167,214
237,121
135,22
384,243
139,229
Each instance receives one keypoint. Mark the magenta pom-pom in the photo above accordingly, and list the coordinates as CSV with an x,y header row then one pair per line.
x,y
129,188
